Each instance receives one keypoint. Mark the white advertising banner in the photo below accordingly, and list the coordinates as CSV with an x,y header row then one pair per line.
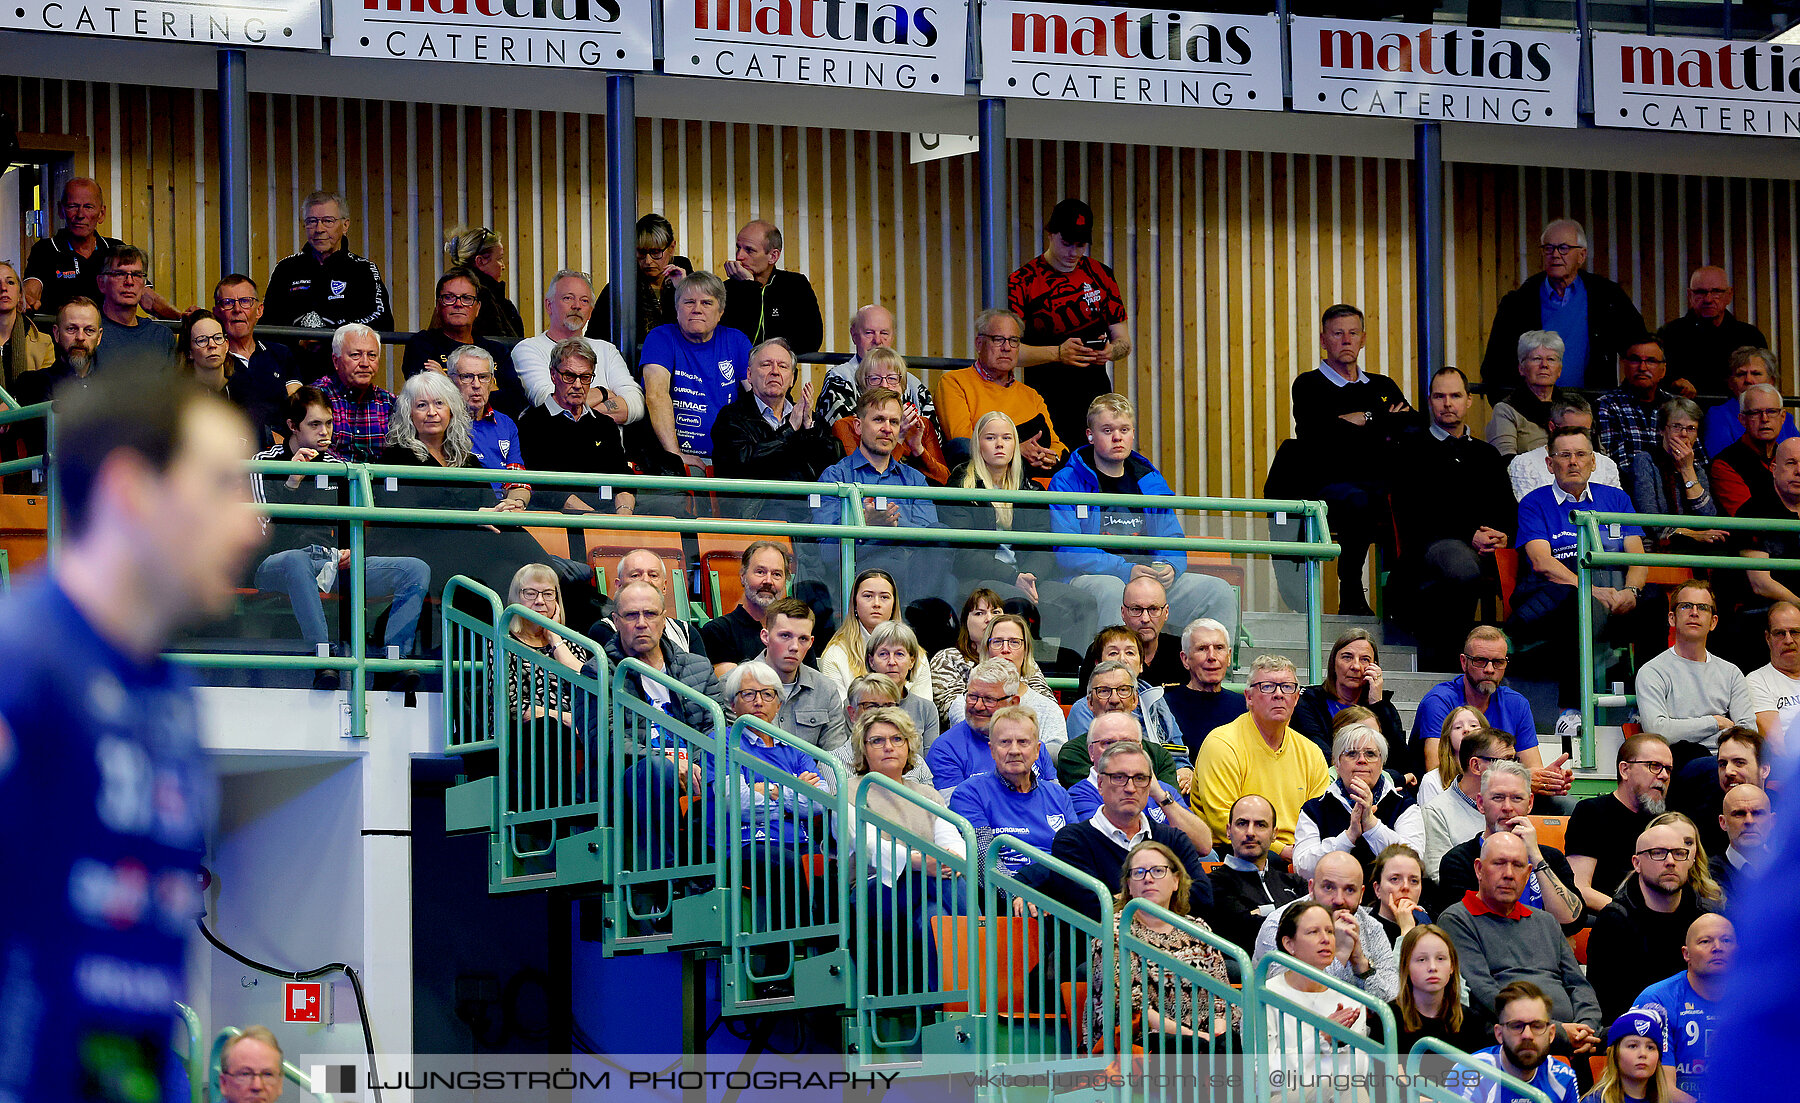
x,y
1130,55
559,34
1701,85
1425,71
891,45
291,24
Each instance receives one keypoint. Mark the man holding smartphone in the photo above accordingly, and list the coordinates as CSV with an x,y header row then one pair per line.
x,y
1075,320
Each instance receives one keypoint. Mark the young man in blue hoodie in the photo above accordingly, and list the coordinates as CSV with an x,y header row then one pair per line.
x,y
1109,466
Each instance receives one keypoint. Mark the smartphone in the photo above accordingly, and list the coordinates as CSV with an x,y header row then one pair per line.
x,y
1095,343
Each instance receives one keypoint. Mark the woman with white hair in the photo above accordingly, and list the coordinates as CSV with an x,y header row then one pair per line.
x,y
1362,812
1521,420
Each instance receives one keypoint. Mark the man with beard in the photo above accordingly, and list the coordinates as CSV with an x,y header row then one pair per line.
x,y
76,335
1639,937
1604,829
1485,655
737,636
1523,1030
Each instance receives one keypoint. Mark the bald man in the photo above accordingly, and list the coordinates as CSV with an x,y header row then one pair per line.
x,y
1365,957
1700,342
1747,820
764,300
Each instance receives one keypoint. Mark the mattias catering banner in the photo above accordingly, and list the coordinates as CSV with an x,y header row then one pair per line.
x,y
900,46
1425,71
559,34
1130,55
1701,85
292,24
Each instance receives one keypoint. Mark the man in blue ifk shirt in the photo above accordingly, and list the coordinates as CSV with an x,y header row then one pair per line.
x,y
1689,999
101,768
1524,1031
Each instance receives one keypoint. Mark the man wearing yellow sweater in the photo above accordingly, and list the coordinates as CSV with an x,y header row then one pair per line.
x,y
1258,753
965,394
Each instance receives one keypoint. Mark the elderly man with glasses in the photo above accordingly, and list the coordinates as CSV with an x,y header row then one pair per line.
x,y
569,435
130,341
494,436
1099,844
1742,472
1258,753
992,383
1543,605
325,285
1594,316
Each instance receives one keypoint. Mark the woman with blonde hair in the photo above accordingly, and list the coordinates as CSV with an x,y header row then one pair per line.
x,y
536,587
483,253
874,600
1635,1045
920,445
1460,721
1021,572
23,346
892,648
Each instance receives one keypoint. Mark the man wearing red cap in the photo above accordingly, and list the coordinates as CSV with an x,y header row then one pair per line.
x,y
1074,319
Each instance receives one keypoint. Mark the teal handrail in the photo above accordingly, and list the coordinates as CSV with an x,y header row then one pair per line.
x,y
194,1060
1590,555
1443,1088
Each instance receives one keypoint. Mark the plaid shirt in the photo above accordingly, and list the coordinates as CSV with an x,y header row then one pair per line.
x,y
359,422
1624,425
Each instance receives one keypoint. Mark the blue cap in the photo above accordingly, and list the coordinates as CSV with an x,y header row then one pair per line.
x,y
1641,1022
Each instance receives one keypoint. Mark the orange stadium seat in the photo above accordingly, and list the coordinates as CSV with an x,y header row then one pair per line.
x,y
1017,950
1550,830
24,529
605,549
1217,564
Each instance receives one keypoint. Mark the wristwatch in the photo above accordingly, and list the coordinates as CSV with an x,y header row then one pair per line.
x,y
1689,484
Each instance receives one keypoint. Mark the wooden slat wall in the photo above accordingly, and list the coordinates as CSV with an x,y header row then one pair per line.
x,y
1226,257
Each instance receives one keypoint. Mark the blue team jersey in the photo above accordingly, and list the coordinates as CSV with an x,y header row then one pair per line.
x,y
704,378
1542,517
1691,1019
993,807
105,800
1554,1078
779,814
1509,711
963,752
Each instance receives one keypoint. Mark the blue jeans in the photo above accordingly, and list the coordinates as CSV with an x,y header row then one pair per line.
x,y
404,578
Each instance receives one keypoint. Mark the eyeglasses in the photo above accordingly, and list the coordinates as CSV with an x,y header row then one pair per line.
x,y
246,1076
1491,759
1559,249
1130,781
1003,342
1150,873
1683,428
1476,660
1784,633
242,302
129,275
448,299
1652,765
1630,359
1709,292
1364,755
1664,853
1145,610
1776,412
892,382
982,700
1526,1026
1565,457
1276,689
472,376
759,694
574,377
884,741
538,595
320,220
204,339
1113,693
996,643
1692,607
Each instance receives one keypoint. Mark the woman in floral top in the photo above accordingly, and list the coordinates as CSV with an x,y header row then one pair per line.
x,y
1168,1022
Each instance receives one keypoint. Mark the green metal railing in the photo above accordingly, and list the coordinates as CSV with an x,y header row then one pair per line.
x,y
986,983
1440,1073
1168,982
1591,556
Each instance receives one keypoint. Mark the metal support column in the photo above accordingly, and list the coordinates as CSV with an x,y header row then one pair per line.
x,y
621,209
996,216
1428,254
234,163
